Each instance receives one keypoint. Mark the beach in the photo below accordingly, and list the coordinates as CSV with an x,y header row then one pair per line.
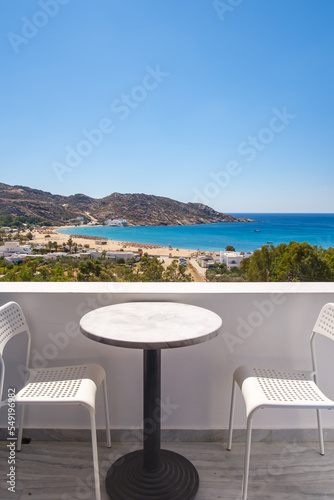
x,y
39,237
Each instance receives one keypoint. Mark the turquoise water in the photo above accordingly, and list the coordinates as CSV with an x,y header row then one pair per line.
x,y
316,229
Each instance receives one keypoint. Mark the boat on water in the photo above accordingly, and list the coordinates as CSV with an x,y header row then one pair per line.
x,y
257,231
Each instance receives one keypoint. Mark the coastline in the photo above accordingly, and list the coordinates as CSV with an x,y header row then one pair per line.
x,y
315,229
111,245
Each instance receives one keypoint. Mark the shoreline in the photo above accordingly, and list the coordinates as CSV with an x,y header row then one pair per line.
x,y
112,245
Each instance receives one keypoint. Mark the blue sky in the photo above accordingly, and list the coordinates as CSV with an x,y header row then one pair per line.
x,y
229,103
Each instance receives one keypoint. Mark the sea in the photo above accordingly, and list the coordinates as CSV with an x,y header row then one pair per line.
x,y
316,229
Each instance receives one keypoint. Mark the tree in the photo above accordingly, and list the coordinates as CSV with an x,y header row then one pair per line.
x,y
301,262
69,243
259,264
86,268
58,274
70,274
44,273
328,255
219,272
292,262
175,272
229,248
150,269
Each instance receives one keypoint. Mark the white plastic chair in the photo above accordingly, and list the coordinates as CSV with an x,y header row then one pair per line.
x,y
57,385
271,388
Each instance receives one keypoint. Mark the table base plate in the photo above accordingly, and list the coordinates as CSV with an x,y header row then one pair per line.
x,y
176,479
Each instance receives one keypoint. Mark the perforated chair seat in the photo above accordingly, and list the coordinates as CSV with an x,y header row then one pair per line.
x,y
273,388
66,384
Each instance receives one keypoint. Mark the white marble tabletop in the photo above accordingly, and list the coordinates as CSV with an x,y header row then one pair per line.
x,y
150,325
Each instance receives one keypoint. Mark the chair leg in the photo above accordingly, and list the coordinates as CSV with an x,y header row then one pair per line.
x,y
95,456
230,429
20,428
106,409
247,457
321,435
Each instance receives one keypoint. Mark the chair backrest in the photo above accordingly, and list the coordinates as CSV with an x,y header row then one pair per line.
x,y
325,322
323,326
12,322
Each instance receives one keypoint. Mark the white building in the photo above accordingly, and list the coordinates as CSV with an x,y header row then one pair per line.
x,y
11,247
120,255
95,254
77,219
48,256
205,260
233,259
116,222
15,258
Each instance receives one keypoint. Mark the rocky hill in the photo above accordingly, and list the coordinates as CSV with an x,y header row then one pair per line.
x,y
138,209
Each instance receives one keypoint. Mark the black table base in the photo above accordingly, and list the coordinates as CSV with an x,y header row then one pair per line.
x,y
152,473
175,479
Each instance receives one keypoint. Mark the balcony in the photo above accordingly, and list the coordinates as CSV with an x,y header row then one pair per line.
x,y
264,324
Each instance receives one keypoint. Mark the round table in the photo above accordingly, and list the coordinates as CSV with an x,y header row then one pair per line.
x,y
151,473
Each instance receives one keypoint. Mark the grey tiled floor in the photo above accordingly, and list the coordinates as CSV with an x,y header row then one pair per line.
x,y
279,471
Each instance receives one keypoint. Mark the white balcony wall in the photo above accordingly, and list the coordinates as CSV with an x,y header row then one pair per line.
x,y
264,324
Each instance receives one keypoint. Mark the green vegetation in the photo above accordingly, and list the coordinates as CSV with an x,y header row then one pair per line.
x,y
15,221
295,262
100,269
219,272
292,262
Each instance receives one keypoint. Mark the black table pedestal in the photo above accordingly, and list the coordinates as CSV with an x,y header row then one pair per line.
x,y
176,478
152,473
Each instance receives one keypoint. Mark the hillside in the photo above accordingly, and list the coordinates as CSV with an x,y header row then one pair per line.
x,y
138,209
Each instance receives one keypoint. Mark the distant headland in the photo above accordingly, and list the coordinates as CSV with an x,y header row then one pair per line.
x,y
137,209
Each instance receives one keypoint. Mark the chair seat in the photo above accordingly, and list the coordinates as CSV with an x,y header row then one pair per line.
x,y
65,384
267,387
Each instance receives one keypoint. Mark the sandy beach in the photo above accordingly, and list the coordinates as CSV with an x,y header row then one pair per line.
x,y
112,245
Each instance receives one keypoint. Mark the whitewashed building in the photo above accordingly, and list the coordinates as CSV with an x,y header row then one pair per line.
x,y
15,258
205,260
94,254
120,255
11,247
233,259
116,222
